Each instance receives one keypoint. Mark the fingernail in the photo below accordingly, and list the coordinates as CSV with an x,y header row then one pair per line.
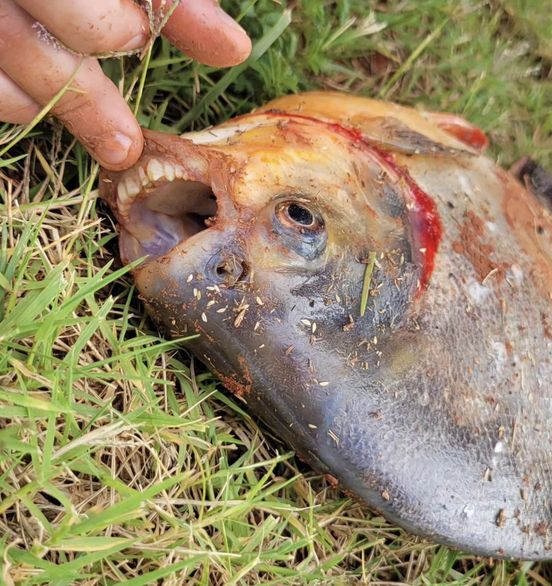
x,y
229,22
114,149
236,36
136,42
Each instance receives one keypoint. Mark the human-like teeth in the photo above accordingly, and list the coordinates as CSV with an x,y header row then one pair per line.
x,y
142,175
169,171
128,188
154,170
139,179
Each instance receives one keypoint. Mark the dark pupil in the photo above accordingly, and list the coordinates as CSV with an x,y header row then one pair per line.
x,y
300,215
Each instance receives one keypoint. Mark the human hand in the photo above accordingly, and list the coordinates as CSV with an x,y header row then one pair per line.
x,y
34,66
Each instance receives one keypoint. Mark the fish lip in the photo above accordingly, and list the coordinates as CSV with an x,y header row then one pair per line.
x,y
146,202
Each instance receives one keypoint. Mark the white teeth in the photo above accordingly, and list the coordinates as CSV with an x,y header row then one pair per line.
x,y
133,187
154,170
128,188
121,191
143,177
169,171
139,179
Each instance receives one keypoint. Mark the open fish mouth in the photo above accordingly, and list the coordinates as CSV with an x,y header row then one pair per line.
x,y
159,207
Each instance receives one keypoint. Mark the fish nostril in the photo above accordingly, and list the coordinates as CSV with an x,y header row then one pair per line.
x,y
228,270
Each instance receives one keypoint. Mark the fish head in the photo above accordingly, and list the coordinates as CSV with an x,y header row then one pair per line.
x,y
261,236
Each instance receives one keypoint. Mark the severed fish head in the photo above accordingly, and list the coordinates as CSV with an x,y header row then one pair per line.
x,y
376,290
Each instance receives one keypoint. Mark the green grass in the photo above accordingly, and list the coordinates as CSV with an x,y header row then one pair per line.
x,y
122,461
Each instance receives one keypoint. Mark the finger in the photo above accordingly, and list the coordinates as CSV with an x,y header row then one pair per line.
x,y
15,105
202,30
91,108
92,27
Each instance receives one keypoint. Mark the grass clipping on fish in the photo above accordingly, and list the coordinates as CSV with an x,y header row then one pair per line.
x,y
121,460
367,282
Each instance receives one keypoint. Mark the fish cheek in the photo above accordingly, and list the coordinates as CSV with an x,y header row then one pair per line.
x,y
307,246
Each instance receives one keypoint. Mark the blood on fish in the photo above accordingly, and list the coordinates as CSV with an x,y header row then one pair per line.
x,y
463,130
426,223
423,214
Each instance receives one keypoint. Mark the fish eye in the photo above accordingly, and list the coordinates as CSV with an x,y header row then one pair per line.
x,y
301,227
298,215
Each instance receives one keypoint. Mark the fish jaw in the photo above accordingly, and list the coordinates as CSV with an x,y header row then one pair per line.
x,y
169,196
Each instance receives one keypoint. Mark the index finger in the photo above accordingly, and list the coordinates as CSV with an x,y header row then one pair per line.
x,y
91,108
202,30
